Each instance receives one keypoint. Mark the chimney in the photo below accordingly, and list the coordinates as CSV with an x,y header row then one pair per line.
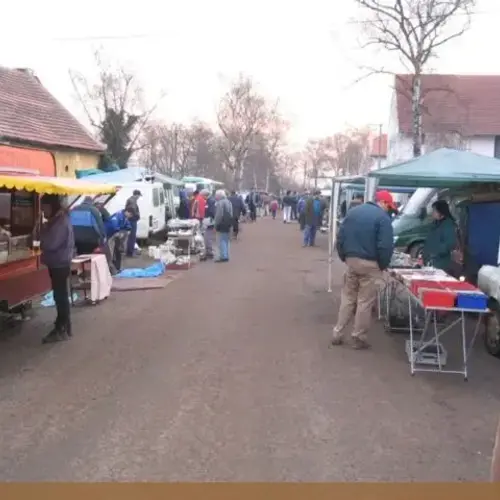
x,y
29,72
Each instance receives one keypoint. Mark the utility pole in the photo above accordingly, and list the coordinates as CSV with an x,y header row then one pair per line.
x,y
379,160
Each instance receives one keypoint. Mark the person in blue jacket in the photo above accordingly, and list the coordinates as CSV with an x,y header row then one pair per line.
x,y
301,205
442,238
117,229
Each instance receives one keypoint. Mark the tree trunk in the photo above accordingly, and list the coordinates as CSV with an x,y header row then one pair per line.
x,y
268,176
416,106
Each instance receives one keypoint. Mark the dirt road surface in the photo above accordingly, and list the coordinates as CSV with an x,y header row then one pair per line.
x,y
225,375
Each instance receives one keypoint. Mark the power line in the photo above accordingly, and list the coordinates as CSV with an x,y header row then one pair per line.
x,y
133,36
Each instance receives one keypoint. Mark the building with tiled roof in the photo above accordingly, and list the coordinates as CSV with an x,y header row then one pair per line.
x,y
460,111
31,117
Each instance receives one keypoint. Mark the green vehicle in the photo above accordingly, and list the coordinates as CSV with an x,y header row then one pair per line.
x,y
412,225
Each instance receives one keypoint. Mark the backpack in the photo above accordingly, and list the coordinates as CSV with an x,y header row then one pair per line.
x,y
317,208
226,223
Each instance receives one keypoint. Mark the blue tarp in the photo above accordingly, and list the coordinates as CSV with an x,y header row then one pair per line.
x,y
152,271
48,300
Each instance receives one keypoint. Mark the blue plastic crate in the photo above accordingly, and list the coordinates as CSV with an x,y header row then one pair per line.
x,y
476,301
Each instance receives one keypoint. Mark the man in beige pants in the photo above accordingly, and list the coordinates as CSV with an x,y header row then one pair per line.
x,y
365,243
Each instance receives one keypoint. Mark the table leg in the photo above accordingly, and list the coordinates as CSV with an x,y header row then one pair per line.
x,y
464,343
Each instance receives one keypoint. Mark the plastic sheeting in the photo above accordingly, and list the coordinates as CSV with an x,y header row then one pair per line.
x,y
152,271
48,300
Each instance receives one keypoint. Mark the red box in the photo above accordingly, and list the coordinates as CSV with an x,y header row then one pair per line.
x,y
417,284
459,286
438,298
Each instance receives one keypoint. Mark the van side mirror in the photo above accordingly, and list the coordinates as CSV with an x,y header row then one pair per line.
x,y
423,213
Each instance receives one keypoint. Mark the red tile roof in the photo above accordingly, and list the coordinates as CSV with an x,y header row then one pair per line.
x,y
465,104
379,146
29,113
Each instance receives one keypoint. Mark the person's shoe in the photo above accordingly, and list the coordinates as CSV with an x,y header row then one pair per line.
x,y
360,344
55,335
336,341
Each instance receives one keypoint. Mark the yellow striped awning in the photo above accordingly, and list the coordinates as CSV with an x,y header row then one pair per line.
x,y
54,185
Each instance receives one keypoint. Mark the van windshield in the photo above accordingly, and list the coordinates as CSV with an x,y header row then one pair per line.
x,y
417,201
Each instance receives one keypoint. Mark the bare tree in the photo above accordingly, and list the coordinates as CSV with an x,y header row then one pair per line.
x,y
415,30
242,115
115,108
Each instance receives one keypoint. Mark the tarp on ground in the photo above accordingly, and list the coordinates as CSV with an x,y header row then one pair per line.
x,y
443,168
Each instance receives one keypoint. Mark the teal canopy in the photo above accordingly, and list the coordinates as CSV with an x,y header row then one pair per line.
x,y
443,168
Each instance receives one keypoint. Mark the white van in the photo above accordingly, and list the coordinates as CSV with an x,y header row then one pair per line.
x,y
152,206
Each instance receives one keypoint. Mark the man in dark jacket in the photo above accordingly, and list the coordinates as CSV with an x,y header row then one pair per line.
x,y
132,206
365,243
313,216
253,201
239,209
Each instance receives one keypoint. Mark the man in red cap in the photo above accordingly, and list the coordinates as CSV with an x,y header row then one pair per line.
x,y
365,243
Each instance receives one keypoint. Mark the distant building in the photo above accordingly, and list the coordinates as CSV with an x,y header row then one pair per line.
x,y
30,117
378,151
459,111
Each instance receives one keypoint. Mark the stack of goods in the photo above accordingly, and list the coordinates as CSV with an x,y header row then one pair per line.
x,y
402,260
185,242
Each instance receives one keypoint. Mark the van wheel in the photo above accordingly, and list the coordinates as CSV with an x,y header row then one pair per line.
x,y
492,331
416,249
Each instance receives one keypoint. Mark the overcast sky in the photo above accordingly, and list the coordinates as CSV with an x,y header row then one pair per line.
x,y
305,52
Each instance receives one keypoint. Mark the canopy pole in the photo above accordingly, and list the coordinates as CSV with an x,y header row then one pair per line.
x,y
334,207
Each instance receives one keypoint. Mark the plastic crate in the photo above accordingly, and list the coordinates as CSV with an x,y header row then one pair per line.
x,y
416,285
438,298
476,301
429,355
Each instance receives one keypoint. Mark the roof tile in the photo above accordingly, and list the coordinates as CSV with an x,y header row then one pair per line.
x,y
28,112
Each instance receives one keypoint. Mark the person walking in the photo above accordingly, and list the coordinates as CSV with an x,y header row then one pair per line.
x,y
239,209
132,206
223,222
273,207
183,209
252,201
365,243
287,207
294,200
200,205
301,205
57,246
208,233
313,216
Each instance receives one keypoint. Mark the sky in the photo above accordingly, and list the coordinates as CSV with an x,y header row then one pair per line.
x,y
306,53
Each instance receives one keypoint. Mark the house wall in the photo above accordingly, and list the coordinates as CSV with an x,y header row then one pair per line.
x,y
402,150
68,162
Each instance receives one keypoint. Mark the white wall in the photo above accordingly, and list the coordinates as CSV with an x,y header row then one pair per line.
x,y
483,145
401,148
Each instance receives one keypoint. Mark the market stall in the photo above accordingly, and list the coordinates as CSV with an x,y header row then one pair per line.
x,y
431,291
435,293
22,276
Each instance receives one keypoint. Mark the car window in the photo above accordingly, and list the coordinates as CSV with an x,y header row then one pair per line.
x,y
162,197
156,197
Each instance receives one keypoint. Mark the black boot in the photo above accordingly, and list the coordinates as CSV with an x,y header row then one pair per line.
x,y
55,335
